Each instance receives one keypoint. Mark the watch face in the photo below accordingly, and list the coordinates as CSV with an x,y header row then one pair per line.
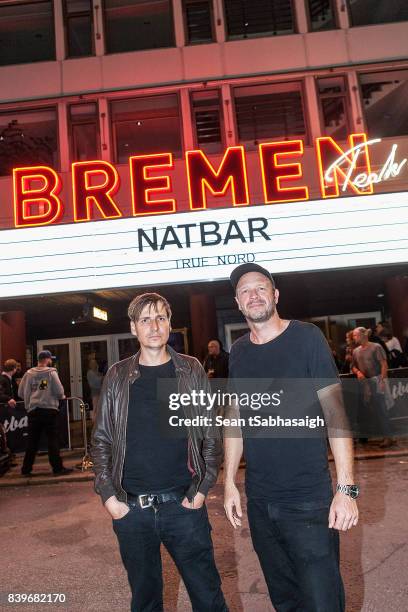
x,y
354,491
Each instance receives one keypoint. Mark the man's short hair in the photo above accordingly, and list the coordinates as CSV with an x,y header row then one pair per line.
x,y
10,365
137,305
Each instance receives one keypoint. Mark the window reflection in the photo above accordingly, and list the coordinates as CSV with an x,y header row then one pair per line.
x,y
132,25
26,32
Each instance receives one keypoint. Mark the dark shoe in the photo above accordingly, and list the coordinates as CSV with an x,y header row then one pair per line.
x,y
63,472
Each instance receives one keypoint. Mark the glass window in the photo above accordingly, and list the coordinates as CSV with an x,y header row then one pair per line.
x,y
321,15
84,133
364,12
146,125
78,27
207,115
28,138
332,92
268,112
385,97
198,21
26,32
246,18
132,25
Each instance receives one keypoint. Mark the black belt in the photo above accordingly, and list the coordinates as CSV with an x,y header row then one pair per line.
x,y
148,500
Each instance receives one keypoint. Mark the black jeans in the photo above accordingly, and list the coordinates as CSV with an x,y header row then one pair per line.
x,y
39,420
186,535
299,555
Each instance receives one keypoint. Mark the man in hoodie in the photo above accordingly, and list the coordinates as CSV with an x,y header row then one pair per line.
x,y
42,390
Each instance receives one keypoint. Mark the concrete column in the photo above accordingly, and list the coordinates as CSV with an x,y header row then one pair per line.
x,y
188,128
301,16
397,297
179,34
99,33
342,14
229,119
59,31
104,131
13,336
63,136
219,22
357,122
312,108
203,322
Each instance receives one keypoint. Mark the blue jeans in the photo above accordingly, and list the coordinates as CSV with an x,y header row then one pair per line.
x,y
186,534
299,555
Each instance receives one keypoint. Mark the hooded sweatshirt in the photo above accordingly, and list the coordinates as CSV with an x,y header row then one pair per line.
x,y
41,387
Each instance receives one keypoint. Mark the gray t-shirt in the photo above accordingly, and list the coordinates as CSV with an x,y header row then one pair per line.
x,y
368,359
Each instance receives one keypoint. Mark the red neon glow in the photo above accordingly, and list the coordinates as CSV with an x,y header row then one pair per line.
x,y
201,175
143,185
274,172
356,157
25,196
86,195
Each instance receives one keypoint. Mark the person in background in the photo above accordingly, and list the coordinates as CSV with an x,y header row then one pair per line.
x,y
392,342
375,335
16,379
371,368
94,378
348,357
395,355
7,392
8,397
42,390
216,361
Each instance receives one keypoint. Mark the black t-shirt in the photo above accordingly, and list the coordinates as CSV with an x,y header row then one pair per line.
x,y
286,469
154,462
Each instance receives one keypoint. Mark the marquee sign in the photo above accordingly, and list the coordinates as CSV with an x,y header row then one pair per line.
x,y
95,184
162,244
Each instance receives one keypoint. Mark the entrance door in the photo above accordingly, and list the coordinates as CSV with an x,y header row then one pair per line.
x,y
80,363
123,346
93,356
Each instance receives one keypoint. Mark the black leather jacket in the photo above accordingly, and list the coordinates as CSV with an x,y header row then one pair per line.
x,y
108,444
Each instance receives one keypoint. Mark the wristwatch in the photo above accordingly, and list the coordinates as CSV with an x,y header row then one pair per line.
x,y
351,490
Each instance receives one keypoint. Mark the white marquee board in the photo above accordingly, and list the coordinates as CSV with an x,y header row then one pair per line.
x,y
299,236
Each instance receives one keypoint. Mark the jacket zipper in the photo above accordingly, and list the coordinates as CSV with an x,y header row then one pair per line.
x,y
195,459
124,452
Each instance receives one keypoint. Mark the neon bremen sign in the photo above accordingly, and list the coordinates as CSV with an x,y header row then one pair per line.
x,y
37,189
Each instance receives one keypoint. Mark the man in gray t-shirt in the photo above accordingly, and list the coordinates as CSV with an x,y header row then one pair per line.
x,y
368,358
370,366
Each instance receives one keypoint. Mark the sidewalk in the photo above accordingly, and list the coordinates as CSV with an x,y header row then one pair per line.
x,y
42,471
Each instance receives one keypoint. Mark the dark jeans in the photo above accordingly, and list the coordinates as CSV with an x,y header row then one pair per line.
x,y
186,535
299,555
39,420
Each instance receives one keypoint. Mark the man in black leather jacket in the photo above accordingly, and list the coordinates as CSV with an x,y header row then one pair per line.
x,y
153,482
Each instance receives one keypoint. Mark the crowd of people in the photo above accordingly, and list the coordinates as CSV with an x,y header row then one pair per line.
x,y
395,354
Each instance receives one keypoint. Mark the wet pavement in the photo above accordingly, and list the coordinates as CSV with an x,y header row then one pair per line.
x,y
58,539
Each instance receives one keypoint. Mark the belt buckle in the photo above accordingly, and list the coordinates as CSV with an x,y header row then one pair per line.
x,y
145,501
